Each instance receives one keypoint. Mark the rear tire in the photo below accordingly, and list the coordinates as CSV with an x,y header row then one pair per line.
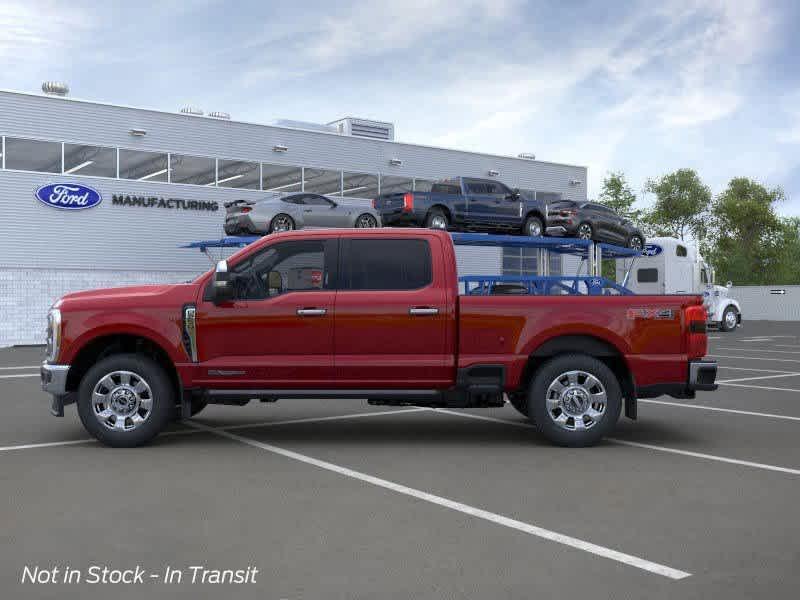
x,y
125,400
281,222
575,400
585,231
533,227
366,221
437,219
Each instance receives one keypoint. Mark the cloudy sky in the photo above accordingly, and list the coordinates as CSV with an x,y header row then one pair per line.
x,y
642,87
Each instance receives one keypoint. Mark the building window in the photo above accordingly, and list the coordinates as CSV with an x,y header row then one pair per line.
x,y
195,170
238,174
144,166
280,178
396,185
323,181
90,160
360,185
33,155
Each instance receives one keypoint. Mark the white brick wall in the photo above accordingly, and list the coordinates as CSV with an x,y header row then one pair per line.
x,y
27,294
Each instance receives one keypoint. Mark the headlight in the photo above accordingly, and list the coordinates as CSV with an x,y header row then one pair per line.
x,y
53,334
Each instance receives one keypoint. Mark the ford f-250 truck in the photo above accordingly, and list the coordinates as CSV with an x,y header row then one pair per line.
x,y
373,314
463,204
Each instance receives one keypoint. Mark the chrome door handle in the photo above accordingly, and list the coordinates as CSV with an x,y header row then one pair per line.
x,y
423,310
311,312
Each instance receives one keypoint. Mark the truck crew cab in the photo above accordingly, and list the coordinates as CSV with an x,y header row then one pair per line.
x,y
671,266
365,313
466,204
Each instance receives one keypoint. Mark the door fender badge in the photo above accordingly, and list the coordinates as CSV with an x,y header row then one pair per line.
x,y
650,313
224,373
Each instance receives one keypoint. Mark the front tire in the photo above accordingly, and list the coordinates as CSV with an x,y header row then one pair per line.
x,y
533,227
730,319
575,400
635,242
125,400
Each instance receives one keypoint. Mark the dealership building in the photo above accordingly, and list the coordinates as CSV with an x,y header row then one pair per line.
x,y
162,178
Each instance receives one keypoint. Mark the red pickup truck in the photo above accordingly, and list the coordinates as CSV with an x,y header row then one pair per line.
x,y
373,314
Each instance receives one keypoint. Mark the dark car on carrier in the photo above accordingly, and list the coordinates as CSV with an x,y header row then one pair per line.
x,y
592,221
466,204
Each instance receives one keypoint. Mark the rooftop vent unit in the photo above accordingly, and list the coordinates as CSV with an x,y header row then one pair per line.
x,y
304,125
192,110
55,88
216,114
527,155
376,130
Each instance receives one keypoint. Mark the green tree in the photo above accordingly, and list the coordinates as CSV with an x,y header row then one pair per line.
x,y
681,206
618,195
749,243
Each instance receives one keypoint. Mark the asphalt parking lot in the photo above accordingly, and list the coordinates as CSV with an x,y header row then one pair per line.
x,y
337,499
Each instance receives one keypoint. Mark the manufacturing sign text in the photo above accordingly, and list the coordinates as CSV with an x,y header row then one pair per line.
x,y
652,250
68,196
158,202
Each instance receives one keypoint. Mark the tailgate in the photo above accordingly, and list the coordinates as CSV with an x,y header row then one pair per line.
x,y
389,202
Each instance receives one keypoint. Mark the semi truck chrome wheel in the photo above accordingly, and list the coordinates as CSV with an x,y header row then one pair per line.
x,y
122,400
366,221
730,319
576,400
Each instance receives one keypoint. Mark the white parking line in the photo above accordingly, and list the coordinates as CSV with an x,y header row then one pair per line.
x,y
19,375
718,409
762,350
791,360
479,513
225,428
761,377
786,345
724,459
760,387
756,370
18,368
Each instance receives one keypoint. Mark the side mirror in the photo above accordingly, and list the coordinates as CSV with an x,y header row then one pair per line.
x,y
333,204
729,285
222,289
515,195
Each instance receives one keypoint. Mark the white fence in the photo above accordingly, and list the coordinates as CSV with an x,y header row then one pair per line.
x,y
768,302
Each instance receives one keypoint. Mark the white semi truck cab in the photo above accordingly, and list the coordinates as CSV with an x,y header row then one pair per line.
x,y
671,266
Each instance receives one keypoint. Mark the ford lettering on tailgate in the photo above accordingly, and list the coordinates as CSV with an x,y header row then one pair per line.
x,y
69,196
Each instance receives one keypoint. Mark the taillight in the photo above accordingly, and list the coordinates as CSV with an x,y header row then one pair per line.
x,y
374,203
697,341
246,209
408,202
569,213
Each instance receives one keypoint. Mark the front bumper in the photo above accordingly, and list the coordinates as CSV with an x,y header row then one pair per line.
x,y
54,382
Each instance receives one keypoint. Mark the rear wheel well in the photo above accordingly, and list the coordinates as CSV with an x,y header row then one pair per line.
x,y
442,208
108,345
534,213
583,344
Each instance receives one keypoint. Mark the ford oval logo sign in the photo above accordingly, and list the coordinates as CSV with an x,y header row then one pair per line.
x,y
652,250
68,196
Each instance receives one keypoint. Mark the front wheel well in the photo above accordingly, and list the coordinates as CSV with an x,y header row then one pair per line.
x,y
591,346
107,345
534,213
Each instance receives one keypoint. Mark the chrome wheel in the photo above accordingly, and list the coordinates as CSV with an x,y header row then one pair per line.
x,y
438,222
282,223
576,400
534,228
585,231
730,319
122,401
635,243
366,221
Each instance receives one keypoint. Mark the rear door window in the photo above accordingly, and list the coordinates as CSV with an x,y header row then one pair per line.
x,y
387,265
